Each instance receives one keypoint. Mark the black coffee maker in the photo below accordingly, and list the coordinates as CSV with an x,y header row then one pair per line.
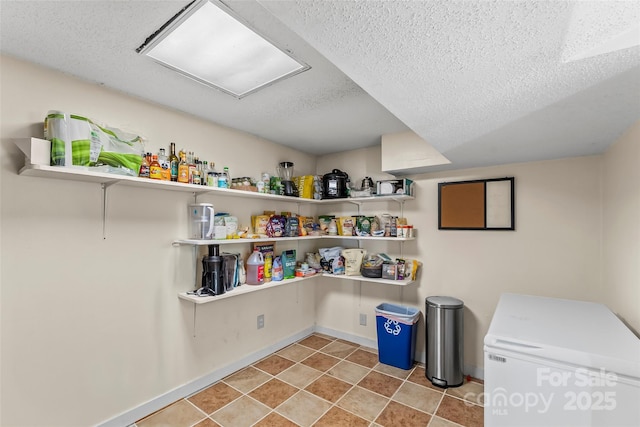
x,y
212,276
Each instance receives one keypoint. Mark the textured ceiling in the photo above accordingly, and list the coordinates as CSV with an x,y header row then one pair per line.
x,y
483,82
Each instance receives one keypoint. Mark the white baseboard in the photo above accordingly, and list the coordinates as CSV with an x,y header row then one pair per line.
x,y
348,337
131,416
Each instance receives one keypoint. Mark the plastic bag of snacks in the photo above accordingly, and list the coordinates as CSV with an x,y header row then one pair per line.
x,y
78,141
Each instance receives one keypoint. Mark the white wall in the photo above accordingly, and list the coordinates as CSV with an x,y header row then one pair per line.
x,y
555,250
93,327
621,221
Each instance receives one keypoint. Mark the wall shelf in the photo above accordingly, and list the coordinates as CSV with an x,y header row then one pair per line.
x,y
380,239
202,242
84,174
369,279
242,290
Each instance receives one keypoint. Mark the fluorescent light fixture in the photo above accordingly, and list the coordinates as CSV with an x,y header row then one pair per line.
x,y
207,44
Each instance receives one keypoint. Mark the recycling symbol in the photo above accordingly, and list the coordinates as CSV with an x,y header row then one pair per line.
x,y
388,326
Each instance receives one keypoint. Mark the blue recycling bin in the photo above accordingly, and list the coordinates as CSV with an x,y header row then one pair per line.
x,y
396,327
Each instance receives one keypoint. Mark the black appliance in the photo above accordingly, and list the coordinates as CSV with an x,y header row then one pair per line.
x,y
334,185
229,270
212,274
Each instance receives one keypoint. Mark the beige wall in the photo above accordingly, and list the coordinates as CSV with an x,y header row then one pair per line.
x,y
621,230
93,327
555,250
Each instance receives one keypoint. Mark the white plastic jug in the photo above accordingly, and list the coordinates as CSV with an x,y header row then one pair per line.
x,y
201,221
255,268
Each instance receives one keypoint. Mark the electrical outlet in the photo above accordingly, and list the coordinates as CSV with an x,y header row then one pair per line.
x,y
363,319
260,321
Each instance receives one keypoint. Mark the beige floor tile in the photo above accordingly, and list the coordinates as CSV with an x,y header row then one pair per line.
x,y
369,349
273,393
321,362
242,412
247,379
339,349
315,342
349,372
179,414
393,371
418,376
419,397
328,388
398,415
273,364
363,403
470,391
207,422
215,397
348,342
299,375
380,383
296,352
441,422
461,412
326,337
303,408
337,417
275,420
364,358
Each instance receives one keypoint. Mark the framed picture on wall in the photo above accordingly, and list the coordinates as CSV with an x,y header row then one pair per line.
x,y
483,204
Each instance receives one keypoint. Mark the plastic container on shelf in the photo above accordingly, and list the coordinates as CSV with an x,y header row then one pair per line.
x,y
255,268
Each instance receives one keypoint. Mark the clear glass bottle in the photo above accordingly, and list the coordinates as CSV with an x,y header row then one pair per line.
x,y
163,159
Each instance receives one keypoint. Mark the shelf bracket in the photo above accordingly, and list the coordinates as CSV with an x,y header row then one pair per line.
x,y
104,187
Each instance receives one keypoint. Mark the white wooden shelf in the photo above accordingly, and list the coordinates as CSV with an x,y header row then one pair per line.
x,y
204,242
84,174
242,290
369,279
370,199
381,239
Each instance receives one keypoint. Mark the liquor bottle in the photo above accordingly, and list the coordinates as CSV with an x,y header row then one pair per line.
x,y
144,168
155,170
204,171
192,166
162,159
183,169
174,161
212,177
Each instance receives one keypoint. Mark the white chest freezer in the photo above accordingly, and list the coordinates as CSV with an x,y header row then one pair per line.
x,y
556,362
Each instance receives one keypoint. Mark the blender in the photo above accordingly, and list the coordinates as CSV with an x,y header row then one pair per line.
x,y
285,172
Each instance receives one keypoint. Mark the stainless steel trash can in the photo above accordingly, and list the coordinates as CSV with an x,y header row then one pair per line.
x,y
444,340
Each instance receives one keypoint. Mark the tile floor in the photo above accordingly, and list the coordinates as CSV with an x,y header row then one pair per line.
x,y
323,381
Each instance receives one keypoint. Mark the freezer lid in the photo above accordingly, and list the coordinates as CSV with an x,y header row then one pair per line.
x,y
574,332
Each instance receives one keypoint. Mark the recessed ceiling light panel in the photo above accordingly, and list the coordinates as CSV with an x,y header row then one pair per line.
x,y
209,45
